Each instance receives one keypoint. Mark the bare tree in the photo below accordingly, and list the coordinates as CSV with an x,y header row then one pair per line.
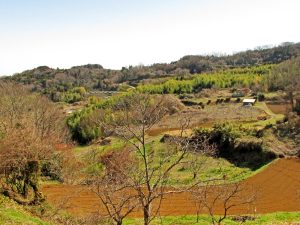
x,y
30,127
219,196
111,185
131,119
200,148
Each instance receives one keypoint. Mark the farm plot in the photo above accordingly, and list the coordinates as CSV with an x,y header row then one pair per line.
x,y
279,108
277,189
208,116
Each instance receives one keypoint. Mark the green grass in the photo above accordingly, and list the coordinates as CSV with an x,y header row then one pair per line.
x,y
13,214
181,174
274,95
208,168
115,144
267,219
271,121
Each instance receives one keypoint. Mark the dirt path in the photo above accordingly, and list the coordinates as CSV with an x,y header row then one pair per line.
x,y
278,188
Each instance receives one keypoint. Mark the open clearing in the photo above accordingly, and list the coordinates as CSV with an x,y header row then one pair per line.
x,y
277,187
208,116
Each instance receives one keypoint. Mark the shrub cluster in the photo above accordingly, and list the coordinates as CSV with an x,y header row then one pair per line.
x,y
239,144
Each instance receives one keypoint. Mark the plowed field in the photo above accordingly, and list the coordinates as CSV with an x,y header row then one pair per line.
x,y
277,188
279,108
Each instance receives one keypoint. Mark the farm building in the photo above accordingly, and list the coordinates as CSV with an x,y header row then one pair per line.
x,y
249,101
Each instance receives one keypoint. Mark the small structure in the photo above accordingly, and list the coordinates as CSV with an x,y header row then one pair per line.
x,y
70,111
249,101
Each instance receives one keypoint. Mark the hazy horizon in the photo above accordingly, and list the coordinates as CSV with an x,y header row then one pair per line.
x,y
117,33
218,54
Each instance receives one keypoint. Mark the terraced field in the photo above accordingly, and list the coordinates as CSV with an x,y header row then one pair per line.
x,y
277,188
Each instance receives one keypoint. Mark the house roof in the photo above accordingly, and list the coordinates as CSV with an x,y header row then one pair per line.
x,y
249,100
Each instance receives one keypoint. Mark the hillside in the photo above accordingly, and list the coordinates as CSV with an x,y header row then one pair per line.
x,y
54,82
156,142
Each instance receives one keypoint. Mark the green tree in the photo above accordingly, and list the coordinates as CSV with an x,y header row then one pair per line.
x,y
285,76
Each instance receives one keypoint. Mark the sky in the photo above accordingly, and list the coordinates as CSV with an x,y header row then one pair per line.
x,y
117,33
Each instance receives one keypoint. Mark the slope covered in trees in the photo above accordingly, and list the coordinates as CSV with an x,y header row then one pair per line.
x,y
249,77
55,82
285,77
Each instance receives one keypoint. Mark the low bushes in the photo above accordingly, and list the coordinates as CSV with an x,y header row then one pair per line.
x,y
240,145
290,128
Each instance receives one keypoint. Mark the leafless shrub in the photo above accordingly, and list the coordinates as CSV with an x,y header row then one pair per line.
x,y
30,127
222,194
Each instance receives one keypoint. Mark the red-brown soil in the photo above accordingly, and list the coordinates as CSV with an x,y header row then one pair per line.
x,y
277,187
279,108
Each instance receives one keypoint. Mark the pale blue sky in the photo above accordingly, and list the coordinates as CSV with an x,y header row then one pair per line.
x,y
116,33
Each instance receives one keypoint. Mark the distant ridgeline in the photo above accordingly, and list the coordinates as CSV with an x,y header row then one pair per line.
x,y
59,84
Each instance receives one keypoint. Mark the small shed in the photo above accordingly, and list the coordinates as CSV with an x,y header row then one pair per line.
x,y
249,101
69,111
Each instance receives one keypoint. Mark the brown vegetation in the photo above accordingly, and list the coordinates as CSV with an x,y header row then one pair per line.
x,y
30,127
207,117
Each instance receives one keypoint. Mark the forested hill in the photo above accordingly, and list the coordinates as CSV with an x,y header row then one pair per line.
x,y
260,56
51,81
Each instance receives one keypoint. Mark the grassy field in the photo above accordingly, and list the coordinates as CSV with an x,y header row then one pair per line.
x,y
279,218
182,174
273,117
115,144
209,167
13,214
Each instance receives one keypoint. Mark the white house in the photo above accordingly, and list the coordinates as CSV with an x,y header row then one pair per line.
x,y
249,101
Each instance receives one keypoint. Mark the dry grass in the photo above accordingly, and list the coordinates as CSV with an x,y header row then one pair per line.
x,y
208,116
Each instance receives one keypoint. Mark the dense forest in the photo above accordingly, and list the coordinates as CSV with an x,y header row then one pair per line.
x,y
59,84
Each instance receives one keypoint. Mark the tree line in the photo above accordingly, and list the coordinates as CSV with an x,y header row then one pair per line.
x,y
55,82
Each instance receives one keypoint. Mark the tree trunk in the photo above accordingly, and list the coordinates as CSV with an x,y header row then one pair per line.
x,y
291,97
297,106
25,188
38,196
146,214
197,216
31,180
